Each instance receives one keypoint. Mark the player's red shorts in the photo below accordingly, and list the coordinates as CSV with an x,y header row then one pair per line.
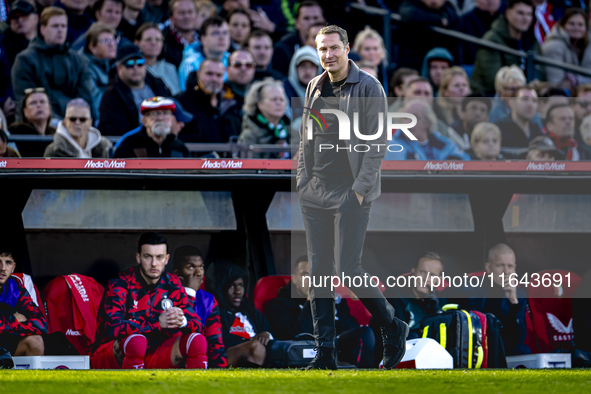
x,y
157,357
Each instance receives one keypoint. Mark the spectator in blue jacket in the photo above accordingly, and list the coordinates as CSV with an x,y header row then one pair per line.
x,y
430,144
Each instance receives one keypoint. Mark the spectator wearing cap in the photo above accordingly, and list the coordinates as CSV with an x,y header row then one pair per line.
x,y
150,40
79,19
474,109
110,13
542,148
509,30
260,44
307,14
214,44
416,16
477,22
100,50
207,99
585,145
518,128
23,20
436,61
155,137
75,136
120,107
485,142
560,124
49,63
303,67
186,17
264,120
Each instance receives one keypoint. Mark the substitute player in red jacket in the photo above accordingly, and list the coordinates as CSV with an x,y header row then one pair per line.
x,y
146,318
21,320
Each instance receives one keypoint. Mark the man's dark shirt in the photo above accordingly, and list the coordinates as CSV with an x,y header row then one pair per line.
x,y
513,135
139,144
330,165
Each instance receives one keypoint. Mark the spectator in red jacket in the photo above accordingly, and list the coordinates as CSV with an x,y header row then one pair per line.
x,y
189,266
146,318
21,320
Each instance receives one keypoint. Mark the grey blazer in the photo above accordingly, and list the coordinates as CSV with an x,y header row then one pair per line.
x,y
365,166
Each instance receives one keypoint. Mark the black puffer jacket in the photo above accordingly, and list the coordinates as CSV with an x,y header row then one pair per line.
x,y
57,68
218,278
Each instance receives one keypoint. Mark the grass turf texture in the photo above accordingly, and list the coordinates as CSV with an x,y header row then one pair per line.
x,y
290,381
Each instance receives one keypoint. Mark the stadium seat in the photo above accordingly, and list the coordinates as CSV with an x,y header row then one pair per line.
x,y
72,306
266,289
550,318
26,281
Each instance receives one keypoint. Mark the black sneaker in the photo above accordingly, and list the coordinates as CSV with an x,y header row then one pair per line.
x,y
325,359
394,339
6,361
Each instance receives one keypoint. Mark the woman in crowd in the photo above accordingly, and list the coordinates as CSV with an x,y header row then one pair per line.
x,y
264,120
569,42
5,150
35,114
240,26
150,40
100,49
430,144
370,46
454,86
485,142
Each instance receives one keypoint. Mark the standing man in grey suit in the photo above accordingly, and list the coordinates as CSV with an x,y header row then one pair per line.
x,y
336,187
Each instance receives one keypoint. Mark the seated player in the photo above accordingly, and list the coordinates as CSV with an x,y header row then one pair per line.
x,y
289,315
21,320
189,266
245,330
146,318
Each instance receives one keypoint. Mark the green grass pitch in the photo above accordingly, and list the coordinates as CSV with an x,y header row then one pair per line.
x,y
242,381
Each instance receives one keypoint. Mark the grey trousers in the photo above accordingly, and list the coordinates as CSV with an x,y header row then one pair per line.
x,y
335,225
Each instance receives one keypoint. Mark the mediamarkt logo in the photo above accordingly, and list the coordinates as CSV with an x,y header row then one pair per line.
x,y
3,164
221,164
80,287
107,164
546,166
448,165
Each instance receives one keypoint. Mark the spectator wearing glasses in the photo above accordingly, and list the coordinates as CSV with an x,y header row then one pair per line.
x,y
240,72
150,40
120,107
240,26
49,63
155,138
75,137
215,42
79,19
100,49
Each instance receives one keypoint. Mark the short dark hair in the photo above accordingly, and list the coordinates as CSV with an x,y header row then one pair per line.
x,y
213,21
142,29
181,254
308,3
240,11
419,79
428,256
258,34
334,29
551,109
476,97
6,253
555,92
151,238
398,78
93,33
298,261
513,3
100,4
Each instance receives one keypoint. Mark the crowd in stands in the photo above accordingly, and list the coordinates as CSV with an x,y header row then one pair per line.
x,y
235,67
170,312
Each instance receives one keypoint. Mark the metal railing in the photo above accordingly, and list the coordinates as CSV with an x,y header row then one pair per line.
x,y
531,58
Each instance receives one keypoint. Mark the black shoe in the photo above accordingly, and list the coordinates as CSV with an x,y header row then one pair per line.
x,y
6,361
394,339
325,359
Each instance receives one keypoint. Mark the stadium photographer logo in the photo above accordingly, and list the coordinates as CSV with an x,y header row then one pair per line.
x,y
345,129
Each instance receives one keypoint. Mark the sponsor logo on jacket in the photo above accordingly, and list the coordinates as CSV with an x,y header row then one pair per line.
x,y
80,287
223,164
73,333
106,164
565,333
